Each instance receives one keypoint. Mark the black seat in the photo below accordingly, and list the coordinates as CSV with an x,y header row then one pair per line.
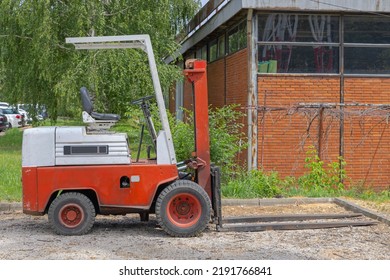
x,y
88,107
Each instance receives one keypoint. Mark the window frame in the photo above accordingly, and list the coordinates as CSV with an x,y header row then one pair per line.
x,y
235,30
342,45
261,44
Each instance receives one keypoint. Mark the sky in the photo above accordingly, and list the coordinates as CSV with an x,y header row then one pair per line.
x,y
204,2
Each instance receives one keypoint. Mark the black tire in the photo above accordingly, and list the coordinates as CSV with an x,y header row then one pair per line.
x,y
72,214
183,209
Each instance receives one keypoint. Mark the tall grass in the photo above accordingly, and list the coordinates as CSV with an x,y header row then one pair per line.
x,y
10,165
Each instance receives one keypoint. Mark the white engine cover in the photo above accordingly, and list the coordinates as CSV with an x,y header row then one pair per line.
x,y
49,146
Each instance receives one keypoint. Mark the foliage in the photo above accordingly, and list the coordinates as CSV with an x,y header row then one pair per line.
x,y
253,184
226,136
319,178
359,190
36,66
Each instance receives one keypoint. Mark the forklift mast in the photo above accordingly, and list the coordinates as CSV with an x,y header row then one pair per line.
x,y
196,73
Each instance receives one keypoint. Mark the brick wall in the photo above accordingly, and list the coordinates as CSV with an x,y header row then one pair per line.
x,y
225,86
172,99
367,133
237,89
285,132
216,82
237,78
285,135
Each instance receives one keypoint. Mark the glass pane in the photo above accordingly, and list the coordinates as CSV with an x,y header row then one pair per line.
x,y
298,59
242,40
298,28
367,29
213,50
221,46
204,52
233,40
367,60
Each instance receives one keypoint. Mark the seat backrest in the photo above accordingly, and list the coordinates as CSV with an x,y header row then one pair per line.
x,y
86,100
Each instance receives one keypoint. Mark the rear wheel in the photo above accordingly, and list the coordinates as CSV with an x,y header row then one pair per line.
x,y
183,209
72,214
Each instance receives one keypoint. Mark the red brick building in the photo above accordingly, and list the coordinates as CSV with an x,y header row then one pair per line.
x,y
306,73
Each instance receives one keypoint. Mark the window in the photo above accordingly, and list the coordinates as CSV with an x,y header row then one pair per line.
x,y
204,52
237,38
213,50
198,53
367,45
298,59
302,43
221,46
369,60
367,29
296,43
201,53
217,48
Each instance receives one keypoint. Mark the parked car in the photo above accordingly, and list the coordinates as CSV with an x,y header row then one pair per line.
x,y
25,113
15,119
3,122
4,105
38,113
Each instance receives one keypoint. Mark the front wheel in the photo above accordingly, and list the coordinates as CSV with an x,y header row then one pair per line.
x,y
183,209
72,214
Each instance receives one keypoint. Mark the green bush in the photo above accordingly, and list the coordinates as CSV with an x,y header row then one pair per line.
x,y
226,137
320,181
253,184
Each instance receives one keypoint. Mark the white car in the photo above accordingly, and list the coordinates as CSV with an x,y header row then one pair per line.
x,y
4,105
15,119
22,109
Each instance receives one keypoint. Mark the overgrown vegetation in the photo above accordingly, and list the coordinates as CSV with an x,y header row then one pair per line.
x,y
318,181
253,184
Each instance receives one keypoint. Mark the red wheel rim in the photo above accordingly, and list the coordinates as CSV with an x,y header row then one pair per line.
x,y
184,210
71,215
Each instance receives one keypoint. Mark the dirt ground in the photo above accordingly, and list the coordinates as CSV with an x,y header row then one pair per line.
x,y
25,237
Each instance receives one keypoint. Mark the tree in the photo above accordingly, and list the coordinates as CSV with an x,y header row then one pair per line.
x,y
36,66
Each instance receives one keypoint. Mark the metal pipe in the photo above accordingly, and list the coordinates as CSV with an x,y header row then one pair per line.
x,y
252,91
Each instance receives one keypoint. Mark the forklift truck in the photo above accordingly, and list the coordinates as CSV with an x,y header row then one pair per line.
x,y
75,173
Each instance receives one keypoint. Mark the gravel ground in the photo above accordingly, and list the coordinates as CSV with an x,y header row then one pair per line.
x,y
25,237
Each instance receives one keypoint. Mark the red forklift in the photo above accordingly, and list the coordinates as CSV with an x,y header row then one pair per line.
x,y
75,173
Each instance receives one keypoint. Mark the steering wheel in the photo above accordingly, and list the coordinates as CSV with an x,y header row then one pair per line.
x,y
142,99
